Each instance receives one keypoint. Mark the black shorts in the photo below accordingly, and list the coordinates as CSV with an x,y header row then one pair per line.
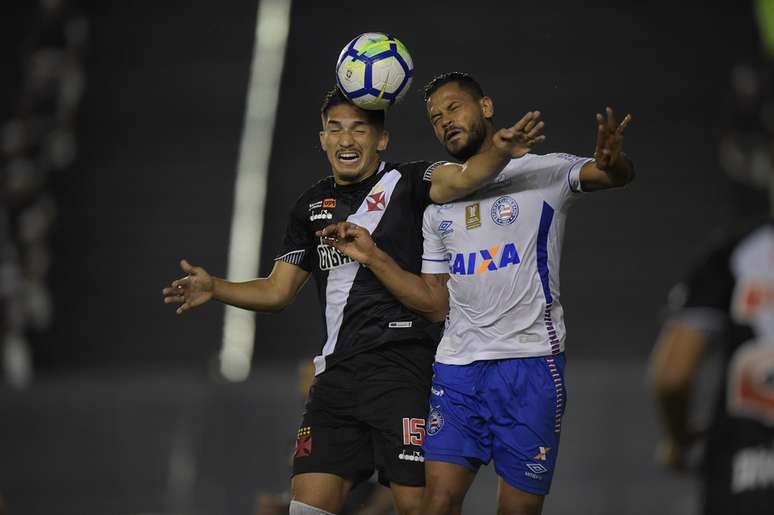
x,y
368,413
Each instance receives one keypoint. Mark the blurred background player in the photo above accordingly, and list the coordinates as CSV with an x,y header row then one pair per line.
x,y
366,408
725,307
728,297
498,385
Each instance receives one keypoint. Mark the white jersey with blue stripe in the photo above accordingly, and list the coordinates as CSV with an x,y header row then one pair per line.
x,y
501,248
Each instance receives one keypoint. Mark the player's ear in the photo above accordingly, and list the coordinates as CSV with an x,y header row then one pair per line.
x,y
487,107
322,140
384,140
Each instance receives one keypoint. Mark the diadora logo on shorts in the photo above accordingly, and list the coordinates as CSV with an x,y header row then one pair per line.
x,y
484,260
438,392
411,456
330,258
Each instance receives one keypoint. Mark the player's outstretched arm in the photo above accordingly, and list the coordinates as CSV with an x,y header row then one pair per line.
x,y
265,294
425,295
674,366
452,181
611,168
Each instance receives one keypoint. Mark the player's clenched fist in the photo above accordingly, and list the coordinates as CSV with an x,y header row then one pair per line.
x,y
190,291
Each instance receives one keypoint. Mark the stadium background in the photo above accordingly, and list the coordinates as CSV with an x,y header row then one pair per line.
x,y
125,413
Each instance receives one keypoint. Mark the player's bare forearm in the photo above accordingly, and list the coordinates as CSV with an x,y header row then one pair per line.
x,y
255,295
266,294
673,407
674,365
425,295
619,173
453,181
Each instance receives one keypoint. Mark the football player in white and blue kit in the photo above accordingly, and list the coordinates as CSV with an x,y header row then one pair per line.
x,y
498,388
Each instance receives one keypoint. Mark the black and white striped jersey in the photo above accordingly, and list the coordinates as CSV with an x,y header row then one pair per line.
x,y
729,295
358,311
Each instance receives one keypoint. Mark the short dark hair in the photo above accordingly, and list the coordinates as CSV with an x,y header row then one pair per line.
x,y
463,80
335,97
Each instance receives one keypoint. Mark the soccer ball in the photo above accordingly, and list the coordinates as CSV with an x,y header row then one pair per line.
x,y
374,70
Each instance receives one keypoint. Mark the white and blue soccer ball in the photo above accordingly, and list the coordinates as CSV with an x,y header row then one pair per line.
x,y
374,70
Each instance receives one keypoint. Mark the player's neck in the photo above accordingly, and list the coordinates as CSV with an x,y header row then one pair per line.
x,y
350,181
488,140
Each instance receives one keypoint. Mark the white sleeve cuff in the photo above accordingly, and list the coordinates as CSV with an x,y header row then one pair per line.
x,y
573,176
435,264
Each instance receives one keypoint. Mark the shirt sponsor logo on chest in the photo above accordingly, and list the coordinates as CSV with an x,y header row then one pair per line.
x,y
484,260
331,258
319,210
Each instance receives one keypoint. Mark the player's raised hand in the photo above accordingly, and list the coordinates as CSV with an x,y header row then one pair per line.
x,y
190,291
521,137
609,138
349,239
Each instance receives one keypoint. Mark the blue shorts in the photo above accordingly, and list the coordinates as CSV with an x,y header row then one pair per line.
x,y
509,409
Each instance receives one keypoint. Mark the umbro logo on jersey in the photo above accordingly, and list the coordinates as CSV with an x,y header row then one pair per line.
x,y
484,260
445,227
330,258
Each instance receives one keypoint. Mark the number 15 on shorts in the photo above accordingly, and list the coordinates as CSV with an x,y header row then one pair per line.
x,y
413,431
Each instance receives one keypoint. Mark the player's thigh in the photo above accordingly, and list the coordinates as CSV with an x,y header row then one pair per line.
x,y
446,487
331,440
527,399
457,424
394,388
513,501
320,490
396,415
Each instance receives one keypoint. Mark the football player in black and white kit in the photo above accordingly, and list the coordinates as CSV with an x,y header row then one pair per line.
x,y
727,298
366,408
